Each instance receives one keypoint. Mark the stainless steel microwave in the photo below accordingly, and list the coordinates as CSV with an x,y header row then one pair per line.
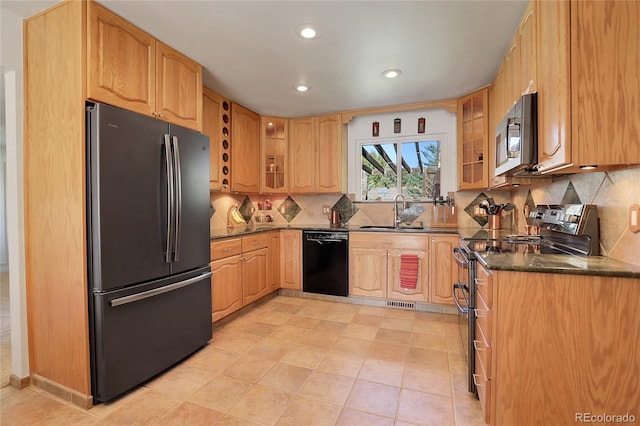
x,y
516,139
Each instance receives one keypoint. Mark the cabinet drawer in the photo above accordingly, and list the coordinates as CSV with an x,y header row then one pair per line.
x,y
225,248
483,351
255,242
483,385
389,240
483,316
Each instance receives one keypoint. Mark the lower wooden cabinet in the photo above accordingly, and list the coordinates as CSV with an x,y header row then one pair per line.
x,y
291,259
242,271
367,270
226,282
273,262
443,268
395,290
254,275
375,261
226,277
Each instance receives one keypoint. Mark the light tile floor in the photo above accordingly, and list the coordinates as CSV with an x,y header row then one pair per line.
x,y
293,361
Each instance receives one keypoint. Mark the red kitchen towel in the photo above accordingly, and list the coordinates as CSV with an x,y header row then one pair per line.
x,y
409,271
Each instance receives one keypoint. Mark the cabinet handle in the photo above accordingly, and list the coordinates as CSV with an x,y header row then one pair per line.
x,y
226,249
481,313
480,282
477,343
258,242
476,378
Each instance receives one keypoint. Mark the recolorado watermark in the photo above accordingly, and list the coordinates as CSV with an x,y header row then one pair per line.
x,y
605,418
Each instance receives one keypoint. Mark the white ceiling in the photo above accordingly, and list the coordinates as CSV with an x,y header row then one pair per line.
x,y
251,54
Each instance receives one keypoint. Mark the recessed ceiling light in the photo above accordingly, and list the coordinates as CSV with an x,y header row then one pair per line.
x,y
302,88
307,31
391,73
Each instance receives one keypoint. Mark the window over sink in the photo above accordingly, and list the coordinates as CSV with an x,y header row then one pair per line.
x,y
407,166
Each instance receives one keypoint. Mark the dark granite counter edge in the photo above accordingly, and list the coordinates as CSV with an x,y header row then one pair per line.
x,y
616,269
252,229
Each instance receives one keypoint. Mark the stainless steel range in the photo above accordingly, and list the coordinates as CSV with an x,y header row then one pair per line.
x,y
570,229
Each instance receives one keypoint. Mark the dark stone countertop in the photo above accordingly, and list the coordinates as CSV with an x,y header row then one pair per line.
x,y
252,229
559,264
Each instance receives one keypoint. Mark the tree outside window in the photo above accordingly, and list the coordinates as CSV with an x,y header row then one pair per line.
x,y
416,165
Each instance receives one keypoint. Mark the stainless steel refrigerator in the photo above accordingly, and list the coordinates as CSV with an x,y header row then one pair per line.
x,y
148,246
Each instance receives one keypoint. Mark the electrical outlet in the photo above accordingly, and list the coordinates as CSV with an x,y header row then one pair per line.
x,y
634,213
326,210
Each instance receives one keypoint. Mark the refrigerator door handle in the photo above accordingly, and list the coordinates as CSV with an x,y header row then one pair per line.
x,y
156,291
170,201
178,197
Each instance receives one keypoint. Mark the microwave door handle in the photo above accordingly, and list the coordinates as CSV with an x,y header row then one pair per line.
x,y
513,128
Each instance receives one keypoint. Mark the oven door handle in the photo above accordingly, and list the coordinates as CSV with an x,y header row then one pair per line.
x,y
465,290
460,258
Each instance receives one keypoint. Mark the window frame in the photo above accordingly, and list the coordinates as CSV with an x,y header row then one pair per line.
x,y
422,137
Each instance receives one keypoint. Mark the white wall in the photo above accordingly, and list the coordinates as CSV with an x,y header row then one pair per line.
x,y
11,66
439,123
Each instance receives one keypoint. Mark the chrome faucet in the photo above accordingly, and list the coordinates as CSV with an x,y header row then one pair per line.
x,y
396,215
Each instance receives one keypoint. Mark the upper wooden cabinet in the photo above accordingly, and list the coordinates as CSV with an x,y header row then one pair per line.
x,y
527,38
329,155
473,141
178,88
588,88
130,69
301,155
316,155
274,164
216,120
245,149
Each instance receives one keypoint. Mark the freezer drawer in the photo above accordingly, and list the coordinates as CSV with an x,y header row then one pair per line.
x,y
139,332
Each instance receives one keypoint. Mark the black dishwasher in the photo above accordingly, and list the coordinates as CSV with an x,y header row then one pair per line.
x,y
325,262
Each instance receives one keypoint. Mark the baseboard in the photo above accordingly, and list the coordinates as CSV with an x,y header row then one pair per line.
x,y
382,303
19,382
76,398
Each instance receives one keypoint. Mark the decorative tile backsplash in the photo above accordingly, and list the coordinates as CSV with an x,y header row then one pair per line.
x,y
613,193
289,209
346,208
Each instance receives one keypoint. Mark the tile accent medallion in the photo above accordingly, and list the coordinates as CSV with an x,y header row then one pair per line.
x,y
481,220
246,209
346,208
529,201
289,209
570,195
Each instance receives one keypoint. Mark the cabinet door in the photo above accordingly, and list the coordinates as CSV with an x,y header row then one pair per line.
x,y
274,155
394,288
554,126
254,275
178,88
512,73
328,163
367,272
226,286
273,264
291,259
605,65
473,141
443,269
301,155
211,111
121,64
528,51
245,149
